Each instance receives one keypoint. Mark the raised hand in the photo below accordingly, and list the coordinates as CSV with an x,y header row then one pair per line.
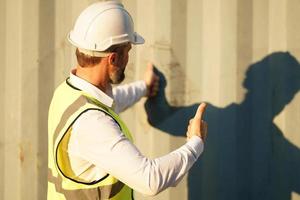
x,y
152,80
197,126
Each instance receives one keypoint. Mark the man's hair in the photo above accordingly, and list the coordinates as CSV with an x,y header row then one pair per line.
x,y
85,60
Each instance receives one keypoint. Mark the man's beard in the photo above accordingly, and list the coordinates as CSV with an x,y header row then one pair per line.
x,y
117,77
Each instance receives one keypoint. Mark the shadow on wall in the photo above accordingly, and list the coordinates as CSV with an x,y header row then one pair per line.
x,y
246,154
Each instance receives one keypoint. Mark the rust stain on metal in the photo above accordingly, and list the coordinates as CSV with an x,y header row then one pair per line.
x,y
21,154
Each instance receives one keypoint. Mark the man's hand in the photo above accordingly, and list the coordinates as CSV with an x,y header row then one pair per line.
x,y
152,81
197,126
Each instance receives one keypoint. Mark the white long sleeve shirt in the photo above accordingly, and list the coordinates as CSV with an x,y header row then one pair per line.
x,y
98,147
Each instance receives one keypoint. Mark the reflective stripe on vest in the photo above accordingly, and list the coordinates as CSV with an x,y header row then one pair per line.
x,y
67,105
102,192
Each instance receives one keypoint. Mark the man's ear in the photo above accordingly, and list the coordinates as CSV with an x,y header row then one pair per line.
x,y
113,58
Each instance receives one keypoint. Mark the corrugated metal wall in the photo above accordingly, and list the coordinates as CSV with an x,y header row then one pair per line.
x,y
242,57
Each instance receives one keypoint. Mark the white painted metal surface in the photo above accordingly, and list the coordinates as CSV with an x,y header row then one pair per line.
x,y
205,49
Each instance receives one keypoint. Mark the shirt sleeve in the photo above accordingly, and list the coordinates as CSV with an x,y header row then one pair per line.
x,y
128,94
96,137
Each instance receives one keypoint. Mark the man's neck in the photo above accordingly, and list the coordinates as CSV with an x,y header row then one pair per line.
x,y
93,76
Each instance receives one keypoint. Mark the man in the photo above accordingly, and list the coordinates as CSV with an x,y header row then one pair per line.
x,y
91,154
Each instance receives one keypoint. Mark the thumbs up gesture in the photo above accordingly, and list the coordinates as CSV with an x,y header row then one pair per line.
x,y
197,126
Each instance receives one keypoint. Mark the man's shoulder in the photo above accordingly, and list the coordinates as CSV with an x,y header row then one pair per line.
x,y
96,120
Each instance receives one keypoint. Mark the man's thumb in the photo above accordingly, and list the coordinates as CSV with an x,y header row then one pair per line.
x,y
149,66
200,111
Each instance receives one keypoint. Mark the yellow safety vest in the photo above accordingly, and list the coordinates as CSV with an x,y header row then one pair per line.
x,y
67,105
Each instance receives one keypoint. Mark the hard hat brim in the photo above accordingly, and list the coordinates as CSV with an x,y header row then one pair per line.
x,y
138,39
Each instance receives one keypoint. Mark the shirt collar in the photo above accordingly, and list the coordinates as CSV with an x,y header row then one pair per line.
x,y
91,89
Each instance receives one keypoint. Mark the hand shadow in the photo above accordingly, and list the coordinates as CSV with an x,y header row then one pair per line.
x,y
246,155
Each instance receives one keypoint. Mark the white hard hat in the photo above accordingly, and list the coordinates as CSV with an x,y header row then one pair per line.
x,y
102,25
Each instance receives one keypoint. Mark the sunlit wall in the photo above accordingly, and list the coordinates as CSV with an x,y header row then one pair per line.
x,y
241,57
